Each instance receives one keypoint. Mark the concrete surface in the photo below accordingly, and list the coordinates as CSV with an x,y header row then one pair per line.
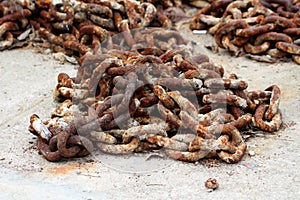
x,y
27,81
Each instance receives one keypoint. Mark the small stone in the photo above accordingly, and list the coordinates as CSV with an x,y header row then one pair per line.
x,y
251,153
71,59
211,184
59,56
47,51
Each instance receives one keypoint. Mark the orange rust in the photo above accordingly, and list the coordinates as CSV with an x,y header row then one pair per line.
x,y
117,19
43,3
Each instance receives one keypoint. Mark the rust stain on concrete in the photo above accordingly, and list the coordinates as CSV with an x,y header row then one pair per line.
x,y
70,167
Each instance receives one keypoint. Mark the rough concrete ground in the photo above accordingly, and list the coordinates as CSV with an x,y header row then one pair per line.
x,y
27,81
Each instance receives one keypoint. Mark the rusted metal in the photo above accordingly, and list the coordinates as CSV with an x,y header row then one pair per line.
x,y
260,122
145,91
251,26
262,25
142,111
59,143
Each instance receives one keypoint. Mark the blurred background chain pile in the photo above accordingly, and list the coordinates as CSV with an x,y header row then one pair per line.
x,y
265,30
142,89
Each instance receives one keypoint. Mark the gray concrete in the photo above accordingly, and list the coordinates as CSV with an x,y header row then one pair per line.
x,y
27,81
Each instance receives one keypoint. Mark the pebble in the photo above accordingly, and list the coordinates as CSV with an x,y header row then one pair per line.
x,y
59,56
251,153
211,184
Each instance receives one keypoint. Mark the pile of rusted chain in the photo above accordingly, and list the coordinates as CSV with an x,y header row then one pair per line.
x,y
268,28
151,94
77,27
140,90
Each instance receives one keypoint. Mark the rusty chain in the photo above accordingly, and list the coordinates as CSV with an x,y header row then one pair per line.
x,y
57,139
74,27
135,99
147,90
264,30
